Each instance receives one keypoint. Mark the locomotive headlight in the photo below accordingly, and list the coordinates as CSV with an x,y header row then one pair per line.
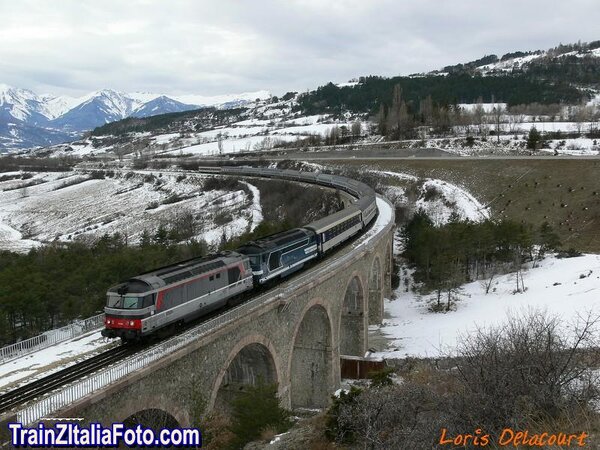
x,y
131,323
108,321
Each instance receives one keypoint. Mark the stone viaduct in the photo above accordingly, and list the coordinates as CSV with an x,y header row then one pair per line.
x,y
295,339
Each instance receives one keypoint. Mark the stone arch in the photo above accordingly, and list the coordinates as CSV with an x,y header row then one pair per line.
x,y
152,418
154,408
312,359
253,360
375,292
352,331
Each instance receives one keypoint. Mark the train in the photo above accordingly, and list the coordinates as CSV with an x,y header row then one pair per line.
x,y
158,300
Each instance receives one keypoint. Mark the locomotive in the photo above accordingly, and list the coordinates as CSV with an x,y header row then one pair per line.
x,y
181,292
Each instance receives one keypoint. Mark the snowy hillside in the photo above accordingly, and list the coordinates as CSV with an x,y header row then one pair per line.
x,y
522,61
51,206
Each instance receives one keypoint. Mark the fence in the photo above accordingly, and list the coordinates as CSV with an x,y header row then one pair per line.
x,y
50,338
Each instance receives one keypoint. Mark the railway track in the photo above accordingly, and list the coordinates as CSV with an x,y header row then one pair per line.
x,y
37,388
58,379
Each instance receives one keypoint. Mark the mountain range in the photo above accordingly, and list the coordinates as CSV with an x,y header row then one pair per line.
x,y
28,119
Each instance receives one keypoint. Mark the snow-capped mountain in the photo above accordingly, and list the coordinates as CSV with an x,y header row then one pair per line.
x,y
102,107
21,105
161,105
28,119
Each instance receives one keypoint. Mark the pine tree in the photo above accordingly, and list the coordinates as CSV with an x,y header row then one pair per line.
x,y
534,139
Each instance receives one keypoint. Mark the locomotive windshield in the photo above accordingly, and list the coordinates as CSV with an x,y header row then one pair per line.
x,y
129,302
113,301
255,261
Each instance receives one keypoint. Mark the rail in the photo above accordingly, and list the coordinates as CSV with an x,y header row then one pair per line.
x,y
50,338
82,388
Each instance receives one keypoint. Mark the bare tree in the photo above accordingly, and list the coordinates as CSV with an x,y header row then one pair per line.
x,y
514,122
497,113
220,143
356,129
479,118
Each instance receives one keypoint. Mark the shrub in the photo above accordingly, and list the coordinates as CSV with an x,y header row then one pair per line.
x,y
256,410
173,198
530,368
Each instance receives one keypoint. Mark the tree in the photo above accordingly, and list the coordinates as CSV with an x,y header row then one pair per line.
x,y
356,129
398,119
381,119
531,368
479,118
548,240
256,409
220,143
497,113
534,139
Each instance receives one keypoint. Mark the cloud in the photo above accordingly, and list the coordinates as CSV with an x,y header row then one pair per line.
x,y
209,47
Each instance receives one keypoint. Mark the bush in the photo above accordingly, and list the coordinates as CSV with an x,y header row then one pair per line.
x,y
173,198
221,184
534,139
255,411
529,369
403,417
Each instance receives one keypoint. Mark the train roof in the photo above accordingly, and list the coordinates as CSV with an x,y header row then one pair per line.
x,y
273,241
332,220
175,272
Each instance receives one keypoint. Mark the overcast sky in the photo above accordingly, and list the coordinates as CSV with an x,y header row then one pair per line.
x,y
225,46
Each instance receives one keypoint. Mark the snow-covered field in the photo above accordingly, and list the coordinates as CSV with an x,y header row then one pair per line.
x,y
252,135
568,288
52,359
129,204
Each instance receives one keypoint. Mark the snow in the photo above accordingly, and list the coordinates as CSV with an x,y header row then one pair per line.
x,y
400,176
487,107
201,100
451,199
509,64
166,138
383,219
577,147
256,209
52,359
307,120
566,288
233,145
439,199
277,438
